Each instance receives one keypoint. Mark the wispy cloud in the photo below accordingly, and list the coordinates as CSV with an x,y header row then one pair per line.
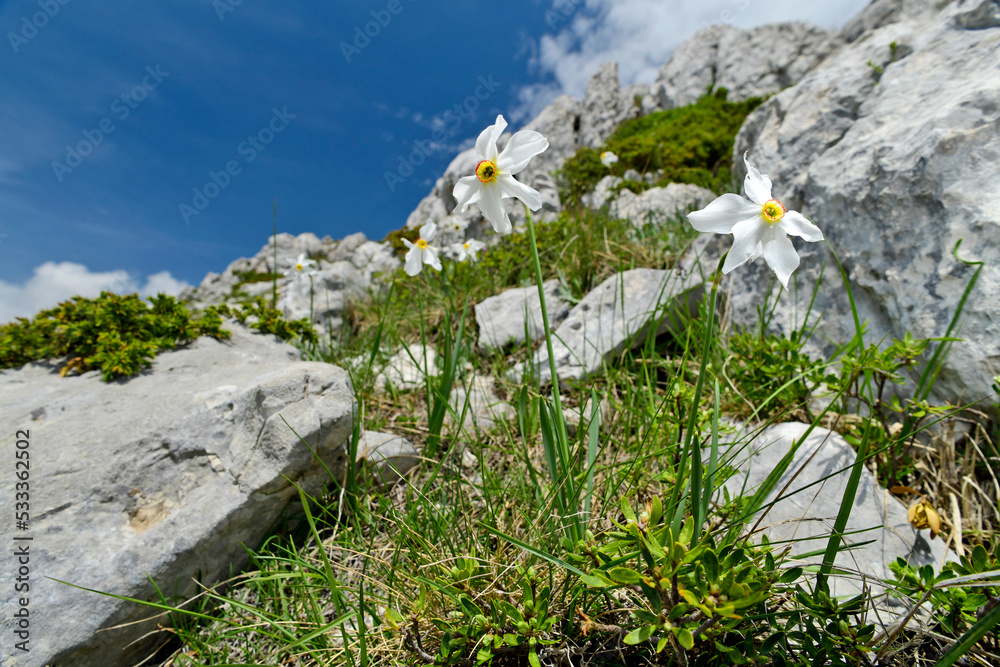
x,y
53,283
640,35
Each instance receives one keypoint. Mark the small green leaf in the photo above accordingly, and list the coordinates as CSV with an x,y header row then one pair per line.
x,y
639,635
533,659
595,582
979,558
662,644
624,575
788,576
685,638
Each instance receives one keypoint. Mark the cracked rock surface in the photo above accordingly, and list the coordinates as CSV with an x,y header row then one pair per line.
x,y
164,474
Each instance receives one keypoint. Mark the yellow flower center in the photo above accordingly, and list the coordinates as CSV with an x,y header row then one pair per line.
x,y
421,243
773,211
486,171
298,267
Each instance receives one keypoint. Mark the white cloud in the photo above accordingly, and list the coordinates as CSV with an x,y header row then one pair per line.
x,y
641,34
53,283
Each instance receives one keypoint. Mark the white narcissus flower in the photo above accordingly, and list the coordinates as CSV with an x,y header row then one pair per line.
x,y
455,225
422,252
494,179
759,224
608,158
304,266
468,250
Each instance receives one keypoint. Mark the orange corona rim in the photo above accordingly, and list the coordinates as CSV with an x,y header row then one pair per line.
x,y
773,211
486,171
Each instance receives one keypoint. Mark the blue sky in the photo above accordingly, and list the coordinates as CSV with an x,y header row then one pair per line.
x,y
114,116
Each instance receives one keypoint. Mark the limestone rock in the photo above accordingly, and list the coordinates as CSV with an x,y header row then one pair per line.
x,y
477,404
809,507
346,270
750,63
656,205
502,319
388,457
895,169
166,474
616,315
406,369
603,106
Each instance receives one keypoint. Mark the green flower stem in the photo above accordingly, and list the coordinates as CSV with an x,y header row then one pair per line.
x,y
545,313
689,439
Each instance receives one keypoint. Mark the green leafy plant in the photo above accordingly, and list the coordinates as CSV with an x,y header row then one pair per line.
x,y
690,144
118,334
263,317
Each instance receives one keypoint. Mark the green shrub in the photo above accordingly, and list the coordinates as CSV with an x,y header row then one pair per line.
x,y
116,333
120,334
690,144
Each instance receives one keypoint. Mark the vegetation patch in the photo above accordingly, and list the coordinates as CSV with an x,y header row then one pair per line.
x,y
121,334
690,144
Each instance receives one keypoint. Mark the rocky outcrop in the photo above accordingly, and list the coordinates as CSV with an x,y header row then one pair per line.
x,y
344,270
891,147
166,475
750,63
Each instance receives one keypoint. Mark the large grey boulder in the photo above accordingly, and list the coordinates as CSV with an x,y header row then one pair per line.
x,y
615,316
504,318
803,514
895,167
167,475
749,63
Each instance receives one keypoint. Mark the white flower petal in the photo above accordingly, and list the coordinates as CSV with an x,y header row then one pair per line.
x,y
756,185
510,187
486,144
796,224
523,146
431,258
409,244
781,257
428,231
493,208
413,263
746,237
720,216
467,191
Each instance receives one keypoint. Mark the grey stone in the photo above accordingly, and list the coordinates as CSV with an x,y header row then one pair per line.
x,y
477,404
879,13
388,457
616,315
166,474
895,169
345,271
602,193
603,107
804,515
750,63
657,205
502,319
407,368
